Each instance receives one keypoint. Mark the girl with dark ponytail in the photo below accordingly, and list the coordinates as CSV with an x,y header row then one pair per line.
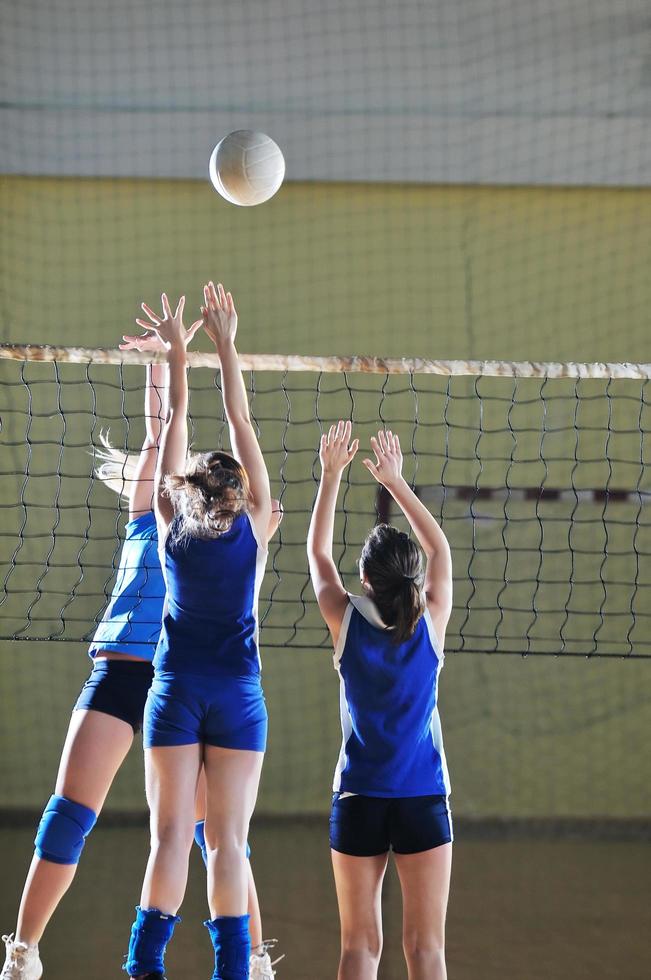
x,y
391,782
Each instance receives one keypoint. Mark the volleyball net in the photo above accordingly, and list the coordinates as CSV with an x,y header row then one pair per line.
x,y
538,474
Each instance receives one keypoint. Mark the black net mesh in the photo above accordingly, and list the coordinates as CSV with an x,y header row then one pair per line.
x,y
540,485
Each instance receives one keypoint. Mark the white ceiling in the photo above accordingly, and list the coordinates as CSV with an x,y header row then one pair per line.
x,y
493,91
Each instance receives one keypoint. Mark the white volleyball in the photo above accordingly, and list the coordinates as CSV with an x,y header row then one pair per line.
x,y
246,167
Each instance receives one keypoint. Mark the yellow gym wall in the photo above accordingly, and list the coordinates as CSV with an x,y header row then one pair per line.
x,y
435,271
513,273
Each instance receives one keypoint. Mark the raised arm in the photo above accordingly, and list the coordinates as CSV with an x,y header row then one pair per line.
x,y
173,450
220,323
387,470
141,494
336,452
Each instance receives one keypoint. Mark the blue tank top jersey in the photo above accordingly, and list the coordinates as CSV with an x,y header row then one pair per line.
x,y
210,621
132,620
392,744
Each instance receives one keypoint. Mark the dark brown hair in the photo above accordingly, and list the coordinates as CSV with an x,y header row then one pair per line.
x,y
392,564
207,498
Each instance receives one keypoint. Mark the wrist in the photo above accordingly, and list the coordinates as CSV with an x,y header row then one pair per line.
x,y
395,484
176,351
331,475
224,344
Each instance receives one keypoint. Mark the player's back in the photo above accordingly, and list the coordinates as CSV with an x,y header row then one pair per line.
x,y
392,744
131,621
210,623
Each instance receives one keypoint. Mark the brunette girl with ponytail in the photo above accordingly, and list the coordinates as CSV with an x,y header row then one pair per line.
x,y
391,782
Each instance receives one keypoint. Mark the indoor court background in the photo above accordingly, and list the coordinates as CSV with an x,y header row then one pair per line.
x,y
464,180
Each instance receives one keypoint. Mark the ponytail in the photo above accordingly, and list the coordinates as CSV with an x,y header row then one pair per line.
x,y
117,469
207,498
393,566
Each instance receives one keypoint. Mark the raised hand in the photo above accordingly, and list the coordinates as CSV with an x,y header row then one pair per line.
x,y
387,468
148,342
219,314
167,328
336,450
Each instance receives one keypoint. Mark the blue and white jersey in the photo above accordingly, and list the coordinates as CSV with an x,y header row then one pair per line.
x,y
392,744
210,621
132,620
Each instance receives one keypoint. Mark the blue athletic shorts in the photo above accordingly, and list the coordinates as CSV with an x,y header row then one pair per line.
x,y
118,688
183,709
365,826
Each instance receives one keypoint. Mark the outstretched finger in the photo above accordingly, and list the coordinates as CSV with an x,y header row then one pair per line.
x,y
214,299
222,295
192,329
382,439
372,468
150,313
166,305
352,449
376,449
148,327
180,308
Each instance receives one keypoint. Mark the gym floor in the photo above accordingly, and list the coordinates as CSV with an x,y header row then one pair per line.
x,y
520,909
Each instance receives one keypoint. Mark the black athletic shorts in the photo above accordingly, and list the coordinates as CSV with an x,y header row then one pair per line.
x,y
365,826
118,688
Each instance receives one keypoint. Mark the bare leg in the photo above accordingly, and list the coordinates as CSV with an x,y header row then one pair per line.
x,y
94,750
425,883
232,777
200,798
171,777
255,918
253,908
359,894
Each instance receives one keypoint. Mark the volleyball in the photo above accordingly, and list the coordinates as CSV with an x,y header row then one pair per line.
x,y
246,167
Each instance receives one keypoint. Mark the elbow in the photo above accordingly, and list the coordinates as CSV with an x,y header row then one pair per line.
x,y
438,551
314,551
239,420
319,562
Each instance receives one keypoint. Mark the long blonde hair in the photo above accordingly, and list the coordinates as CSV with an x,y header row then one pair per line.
x,y
116,469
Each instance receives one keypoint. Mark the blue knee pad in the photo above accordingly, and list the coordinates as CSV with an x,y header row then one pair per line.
x,y
200,841
63,830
